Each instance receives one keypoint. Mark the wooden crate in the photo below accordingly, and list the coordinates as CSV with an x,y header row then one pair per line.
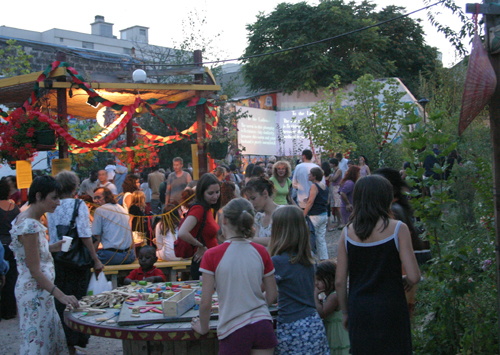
x,y
178,304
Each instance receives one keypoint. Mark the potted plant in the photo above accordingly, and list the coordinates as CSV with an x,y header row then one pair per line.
x,y
24,134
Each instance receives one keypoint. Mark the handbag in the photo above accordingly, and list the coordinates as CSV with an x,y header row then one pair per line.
x,y
182,248
78,256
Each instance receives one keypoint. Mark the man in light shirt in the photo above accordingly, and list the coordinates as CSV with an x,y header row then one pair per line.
x,y
103,182
300,180
342,163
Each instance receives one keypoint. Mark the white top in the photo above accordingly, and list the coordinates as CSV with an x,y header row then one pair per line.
x,y
301,182
123,200
111,222
62,216
110,169
147,191
165,244
343,166
264,231
110,186
239,267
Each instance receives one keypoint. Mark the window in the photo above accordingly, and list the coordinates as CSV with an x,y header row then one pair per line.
x,y
142,32
61,39
88,45
127,51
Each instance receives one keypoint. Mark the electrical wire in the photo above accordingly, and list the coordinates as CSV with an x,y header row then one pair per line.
x,y
296,47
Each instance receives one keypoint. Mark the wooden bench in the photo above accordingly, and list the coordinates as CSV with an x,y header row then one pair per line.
x,y
168,267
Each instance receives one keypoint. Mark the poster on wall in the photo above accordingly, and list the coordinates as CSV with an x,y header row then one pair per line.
x,y
266,132
257,132
291,139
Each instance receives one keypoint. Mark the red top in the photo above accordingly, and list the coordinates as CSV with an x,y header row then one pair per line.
x,y
211,228
139,275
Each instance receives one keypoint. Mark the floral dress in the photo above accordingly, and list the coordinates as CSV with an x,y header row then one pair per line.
x,y
40,326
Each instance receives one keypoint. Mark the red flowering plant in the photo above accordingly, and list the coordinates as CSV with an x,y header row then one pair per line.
x,y
18,134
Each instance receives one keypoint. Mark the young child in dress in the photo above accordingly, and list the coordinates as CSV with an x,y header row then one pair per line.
x,y
327,304
166,234
300,329
147,271
240,268
372,249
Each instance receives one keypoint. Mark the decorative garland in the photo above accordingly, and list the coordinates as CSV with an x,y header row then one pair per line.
x,y
103,138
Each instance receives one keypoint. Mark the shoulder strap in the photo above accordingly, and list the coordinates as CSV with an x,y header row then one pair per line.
x,y
75,213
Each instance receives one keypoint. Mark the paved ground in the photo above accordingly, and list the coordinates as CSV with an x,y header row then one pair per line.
x,y
9,329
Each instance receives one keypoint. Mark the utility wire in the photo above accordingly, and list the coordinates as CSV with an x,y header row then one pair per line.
x,y
296,47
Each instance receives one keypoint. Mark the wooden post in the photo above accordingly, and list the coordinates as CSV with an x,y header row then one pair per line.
x,y
200,119
62,110
491,11
130,143
492,21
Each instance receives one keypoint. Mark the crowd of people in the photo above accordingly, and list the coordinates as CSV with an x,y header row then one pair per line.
x,y
258,238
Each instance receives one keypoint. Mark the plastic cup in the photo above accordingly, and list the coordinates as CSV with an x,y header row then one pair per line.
x,y
67,244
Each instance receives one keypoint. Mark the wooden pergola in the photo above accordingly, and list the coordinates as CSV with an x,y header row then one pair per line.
x,y
65,95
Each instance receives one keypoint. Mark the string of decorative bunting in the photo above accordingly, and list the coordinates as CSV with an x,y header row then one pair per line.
x,y
99,142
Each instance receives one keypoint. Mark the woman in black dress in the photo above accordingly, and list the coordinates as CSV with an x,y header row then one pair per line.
x,y
372,249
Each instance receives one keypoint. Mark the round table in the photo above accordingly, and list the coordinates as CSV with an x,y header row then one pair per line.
x,y
157,339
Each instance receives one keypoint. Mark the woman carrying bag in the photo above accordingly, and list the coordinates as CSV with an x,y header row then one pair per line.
x,y
72,280
199,227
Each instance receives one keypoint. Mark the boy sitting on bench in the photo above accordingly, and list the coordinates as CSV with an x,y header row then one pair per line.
x,y
147,271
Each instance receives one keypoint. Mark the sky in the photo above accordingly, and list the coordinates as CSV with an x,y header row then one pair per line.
x,y
225,18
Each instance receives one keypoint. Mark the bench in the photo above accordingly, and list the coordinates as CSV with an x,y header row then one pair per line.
x,y
168,267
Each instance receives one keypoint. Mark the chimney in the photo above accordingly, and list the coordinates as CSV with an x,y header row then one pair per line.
x,y
101,28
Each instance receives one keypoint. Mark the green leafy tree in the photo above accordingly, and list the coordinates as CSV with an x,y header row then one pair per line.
x,y
307,69
376,112
13,60
329,119
85,162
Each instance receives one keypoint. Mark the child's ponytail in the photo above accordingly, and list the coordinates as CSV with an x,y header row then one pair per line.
x,y
240,214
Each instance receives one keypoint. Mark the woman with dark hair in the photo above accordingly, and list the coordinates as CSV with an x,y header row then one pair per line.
x,y
14,194
259,191
41,330
258,171
346,190
200,216
364,169
73,281
316,209
129,186
8,212
248,172
403,212
373,248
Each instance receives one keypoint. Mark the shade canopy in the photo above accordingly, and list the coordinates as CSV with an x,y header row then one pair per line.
x,y
16,90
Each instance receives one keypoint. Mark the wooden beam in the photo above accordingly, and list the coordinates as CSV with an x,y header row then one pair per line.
x,y
137,86
485,9
164,72
27,78
210,76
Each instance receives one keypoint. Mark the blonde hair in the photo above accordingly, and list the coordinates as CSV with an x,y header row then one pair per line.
x,y
286,165
139,199
240,214
290,234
